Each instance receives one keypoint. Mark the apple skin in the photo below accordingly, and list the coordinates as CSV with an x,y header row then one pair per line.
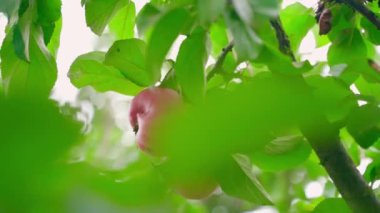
x,y
146,108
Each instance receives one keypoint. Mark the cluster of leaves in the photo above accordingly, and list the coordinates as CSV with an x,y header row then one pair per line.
x,y
244,111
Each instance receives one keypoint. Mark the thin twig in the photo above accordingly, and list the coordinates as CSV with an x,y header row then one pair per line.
x,y
283,40
362,9
219,62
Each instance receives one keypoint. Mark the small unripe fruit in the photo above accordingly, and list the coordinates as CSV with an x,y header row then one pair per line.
x,y
146,108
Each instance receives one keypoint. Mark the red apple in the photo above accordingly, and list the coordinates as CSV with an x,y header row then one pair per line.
x,y
146,108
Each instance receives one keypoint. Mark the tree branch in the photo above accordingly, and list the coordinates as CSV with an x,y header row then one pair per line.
x,y
283,40
219,62
361,8
340,167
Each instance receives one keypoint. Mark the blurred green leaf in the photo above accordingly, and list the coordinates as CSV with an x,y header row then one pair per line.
x,y
189,68
228,122
89,70
247,43
243,10
332,205
143,189
238,180
129,56
99,13
166,30
333,97
278,62
35,137
364,125
209,10
282,153
147,16
269,7
123,23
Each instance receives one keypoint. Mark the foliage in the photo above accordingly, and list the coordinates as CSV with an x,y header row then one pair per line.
x,y
251,100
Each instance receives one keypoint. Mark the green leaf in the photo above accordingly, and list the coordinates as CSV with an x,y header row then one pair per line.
x,y
243,10
190,66
147,16
371,31
35,78
54,40
35,138
372,172
369,89
165,32
268,7
49,11
247,43
123,24
100,12
279,63
296,27
219,37
333,97
22,34
364,125
350,51
332,205
210,10
49,14
129,57
282,153
239,181
88,70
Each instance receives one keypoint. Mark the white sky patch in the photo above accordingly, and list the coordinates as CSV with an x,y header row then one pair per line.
x,y
314,189
364,162
76,39
306,3
3,24
264,209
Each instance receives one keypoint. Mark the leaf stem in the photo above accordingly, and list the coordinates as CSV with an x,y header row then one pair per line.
x,y
219,62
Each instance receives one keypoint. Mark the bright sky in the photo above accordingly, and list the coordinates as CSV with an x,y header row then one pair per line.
x,y
77,39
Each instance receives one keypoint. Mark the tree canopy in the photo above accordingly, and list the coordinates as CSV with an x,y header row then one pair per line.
x,y
258,119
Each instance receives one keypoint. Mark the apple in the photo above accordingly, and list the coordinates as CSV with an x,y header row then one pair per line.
x,y
146,109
